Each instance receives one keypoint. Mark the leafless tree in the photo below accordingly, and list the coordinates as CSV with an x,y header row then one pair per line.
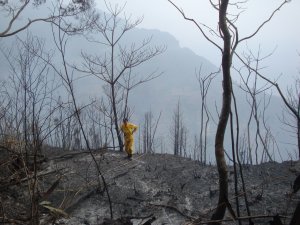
x,y
204,84
4,103
61,39
33,103
178,132
13,10
290,100
149,129
118,62
228,33
33,106
64,122
33,87
99,128
251,87
293,99
237,144
147,132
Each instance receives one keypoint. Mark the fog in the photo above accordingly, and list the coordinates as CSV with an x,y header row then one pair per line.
x,y
279,36
179,64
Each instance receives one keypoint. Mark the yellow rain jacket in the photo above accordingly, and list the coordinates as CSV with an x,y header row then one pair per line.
x,y
128,129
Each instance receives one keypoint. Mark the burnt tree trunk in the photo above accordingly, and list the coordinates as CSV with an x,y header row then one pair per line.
x,y
296,217
225,111
115,116
298,126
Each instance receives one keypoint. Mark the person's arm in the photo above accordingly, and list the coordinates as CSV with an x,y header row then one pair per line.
x,y
135,127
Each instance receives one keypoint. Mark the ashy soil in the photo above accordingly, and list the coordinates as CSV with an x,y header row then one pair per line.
x,y
158,188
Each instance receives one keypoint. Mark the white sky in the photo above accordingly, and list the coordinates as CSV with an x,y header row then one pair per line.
x,y
282,32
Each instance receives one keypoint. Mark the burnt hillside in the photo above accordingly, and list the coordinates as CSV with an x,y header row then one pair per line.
x,y
160,189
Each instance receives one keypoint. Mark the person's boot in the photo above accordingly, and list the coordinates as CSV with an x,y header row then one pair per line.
x,y
129,156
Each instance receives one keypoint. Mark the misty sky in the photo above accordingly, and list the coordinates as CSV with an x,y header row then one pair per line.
x,y
281,34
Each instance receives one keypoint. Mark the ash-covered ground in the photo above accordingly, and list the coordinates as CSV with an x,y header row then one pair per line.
x,y
159,188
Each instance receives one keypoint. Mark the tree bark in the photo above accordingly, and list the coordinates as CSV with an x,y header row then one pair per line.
x,y
298,126
225,111
115,117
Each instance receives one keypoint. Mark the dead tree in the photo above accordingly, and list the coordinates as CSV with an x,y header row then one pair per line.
x,y
293,99
178,132
118,61
13,12
204,84
33,94
98,114
148,133
61,39
64,126
35,105
292,104
251,87
236,159
229,35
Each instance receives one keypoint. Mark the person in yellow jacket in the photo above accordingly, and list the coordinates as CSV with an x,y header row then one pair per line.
x,y
128,129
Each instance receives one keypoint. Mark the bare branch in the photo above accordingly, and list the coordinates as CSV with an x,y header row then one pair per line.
x,y
70,10
198,26
265,22
275,84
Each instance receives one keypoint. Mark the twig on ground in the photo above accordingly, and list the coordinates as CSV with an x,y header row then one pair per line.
x,y
41,174
173,208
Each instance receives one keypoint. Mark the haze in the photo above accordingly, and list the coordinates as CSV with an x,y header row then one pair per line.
x,y
280,34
